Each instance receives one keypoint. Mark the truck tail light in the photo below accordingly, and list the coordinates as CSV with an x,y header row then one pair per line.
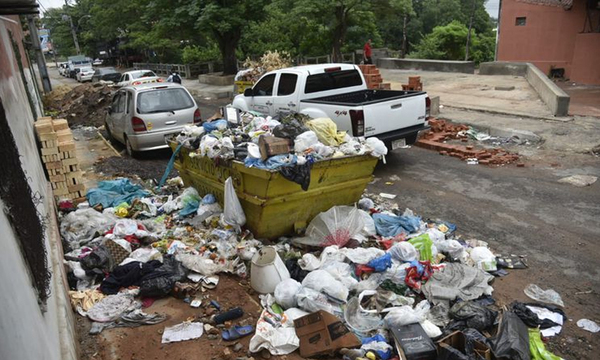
x,y
138,124
427,106
357,117
197,118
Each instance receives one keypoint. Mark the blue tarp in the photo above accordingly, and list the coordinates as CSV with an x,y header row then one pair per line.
x,y
111,193
390,226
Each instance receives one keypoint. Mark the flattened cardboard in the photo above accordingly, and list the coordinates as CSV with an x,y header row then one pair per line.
x,y
323,333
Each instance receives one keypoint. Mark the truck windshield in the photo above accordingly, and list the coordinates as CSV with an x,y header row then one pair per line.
x,y
163,100
332,80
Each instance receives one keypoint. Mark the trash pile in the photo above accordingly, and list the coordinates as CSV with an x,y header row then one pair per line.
x,y
435,139
290,143
83,105
364,282
271,60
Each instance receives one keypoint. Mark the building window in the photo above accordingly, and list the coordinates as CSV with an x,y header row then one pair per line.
x,y
521,21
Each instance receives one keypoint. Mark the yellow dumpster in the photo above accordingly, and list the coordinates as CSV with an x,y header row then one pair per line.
x,y
275,206
240,86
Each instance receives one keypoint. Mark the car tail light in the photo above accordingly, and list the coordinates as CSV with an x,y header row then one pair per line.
x,y
138,124
427,102
197,117
159,80
333,69
357,118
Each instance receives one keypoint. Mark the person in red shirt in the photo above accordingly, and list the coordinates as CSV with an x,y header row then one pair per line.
x,y
367,52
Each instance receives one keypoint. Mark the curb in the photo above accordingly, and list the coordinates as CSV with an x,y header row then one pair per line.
x,y
505,113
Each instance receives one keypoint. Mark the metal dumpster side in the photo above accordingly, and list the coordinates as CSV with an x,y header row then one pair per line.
x,y
275,206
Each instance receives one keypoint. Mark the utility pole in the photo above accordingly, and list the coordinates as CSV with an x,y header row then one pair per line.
x,y
404,37
469,33
39,55
72,30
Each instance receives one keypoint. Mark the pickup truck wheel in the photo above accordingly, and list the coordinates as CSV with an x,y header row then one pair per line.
x,y
132,153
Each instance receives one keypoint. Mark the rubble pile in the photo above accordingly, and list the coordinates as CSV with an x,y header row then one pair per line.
x,y
84,105
271,60
435,139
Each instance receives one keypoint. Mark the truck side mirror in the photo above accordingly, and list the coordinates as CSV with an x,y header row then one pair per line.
x,y
248,92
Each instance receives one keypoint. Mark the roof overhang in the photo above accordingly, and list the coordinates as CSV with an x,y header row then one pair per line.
x,y
18,7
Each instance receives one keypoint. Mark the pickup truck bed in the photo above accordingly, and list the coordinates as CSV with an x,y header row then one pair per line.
x,y
364,97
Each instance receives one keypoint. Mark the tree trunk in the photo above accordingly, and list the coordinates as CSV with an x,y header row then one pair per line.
x,y
339,34
404,37
227,45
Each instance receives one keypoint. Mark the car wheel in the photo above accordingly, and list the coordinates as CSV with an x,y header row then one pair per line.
x,y
132,153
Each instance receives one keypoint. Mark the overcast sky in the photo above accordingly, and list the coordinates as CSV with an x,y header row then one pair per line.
x,y
491,6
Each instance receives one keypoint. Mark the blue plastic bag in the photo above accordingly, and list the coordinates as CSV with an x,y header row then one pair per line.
x,y
381,263
215,125
111,193
390,225
272,163
209,199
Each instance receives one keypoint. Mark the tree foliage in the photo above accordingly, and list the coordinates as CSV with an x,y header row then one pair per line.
x,y
204,30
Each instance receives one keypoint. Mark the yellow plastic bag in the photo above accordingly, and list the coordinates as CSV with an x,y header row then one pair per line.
x,y
326,131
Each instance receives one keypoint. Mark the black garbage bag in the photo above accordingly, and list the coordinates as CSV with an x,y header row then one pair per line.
x,y
160,282
472,315
289,130
295,270
512,340
531,319
127,275
300,174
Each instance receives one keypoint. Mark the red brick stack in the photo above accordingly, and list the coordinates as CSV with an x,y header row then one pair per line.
x,y
441,131
373,77
414,83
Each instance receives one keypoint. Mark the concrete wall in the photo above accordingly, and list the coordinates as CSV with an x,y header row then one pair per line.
x,y
28,330
548,39
554,97
467,67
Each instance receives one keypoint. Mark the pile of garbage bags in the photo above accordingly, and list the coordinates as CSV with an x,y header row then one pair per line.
x,y
289,143
387,280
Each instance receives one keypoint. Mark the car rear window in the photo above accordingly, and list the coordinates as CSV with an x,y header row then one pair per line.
x,y
332,80
142,74
163,100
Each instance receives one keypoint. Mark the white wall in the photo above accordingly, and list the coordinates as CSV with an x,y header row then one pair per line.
x,y
27,332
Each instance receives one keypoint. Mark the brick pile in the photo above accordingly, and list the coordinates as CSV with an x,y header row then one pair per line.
x,y
373,77
414,83
59,158
441,131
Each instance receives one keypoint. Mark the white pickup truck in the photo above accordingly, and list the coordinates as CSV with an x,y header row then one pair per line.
x,y
339,92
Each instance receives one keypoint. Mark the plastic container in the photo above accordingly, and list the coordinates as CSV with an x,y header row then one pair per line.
x,y
267,270
275,206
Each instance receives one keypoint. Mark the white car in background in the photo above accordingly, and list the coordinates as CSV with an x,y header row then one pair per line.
x,y
130,76
85,74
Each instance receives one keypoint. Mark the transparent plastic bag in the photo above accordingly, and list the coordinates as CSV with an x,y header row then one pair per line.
x,y
233,214
360,321
405,315
546,296
376,147
311,301
335,226
285,293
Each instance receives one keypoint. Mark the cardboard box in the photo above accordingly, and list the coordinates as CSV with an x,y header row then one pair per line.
x,y
323,333
271,145
412,343
457,341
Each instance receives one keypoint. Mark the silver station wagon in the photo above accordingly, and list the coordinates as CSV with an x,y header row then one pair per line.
x,y
143,115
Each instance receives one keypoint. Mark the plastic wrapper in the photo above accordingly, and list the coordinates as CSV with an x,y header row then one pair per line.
x,y
200,264
233,214
323,281
334,227
483,258
305,141
352,148
83,225
404,251
537,348
285,293
588,325
546,296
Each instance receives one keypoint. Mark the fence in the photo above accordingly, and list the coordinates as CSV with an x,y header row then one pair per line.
x,y
188,71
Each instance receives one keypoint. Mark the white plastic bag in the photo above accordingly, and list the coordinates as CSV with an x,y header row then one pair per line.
x,y
143,255
404,251
285,293
369,229
253,151
323,281
199,264
376,147
405,315
207,210
311,301
304,141
362,255
483,258
233,214
342,272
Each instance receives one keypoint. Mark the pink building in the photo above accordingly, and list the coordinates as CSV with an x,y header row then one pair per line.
x,y
553,34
